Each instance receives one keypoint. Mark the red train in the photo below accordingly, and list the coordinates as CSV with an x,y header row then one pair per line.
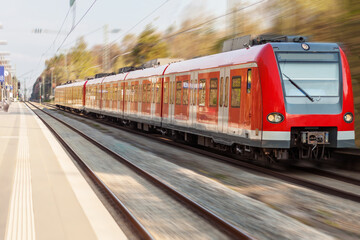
x,y
275,101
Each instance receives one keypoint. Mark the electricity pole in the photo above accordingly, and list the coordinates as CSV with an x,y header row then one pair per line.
x,y
106,49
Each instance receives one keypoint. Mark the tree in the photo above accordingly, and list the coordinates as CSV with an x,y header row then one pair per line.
x,y
149,46
82,62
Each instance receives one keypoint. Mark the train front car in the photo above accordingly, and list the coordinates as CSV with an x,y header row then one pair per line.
x,y
308,107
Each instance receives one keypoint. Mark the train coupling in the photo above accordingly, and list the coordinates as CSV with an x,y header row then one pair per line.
x,y
315,138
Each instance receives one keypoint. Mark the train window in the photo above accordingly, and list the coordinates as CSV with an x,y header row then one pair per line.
x,y
185,92
235,91
202,92
114,92
226,92
144,93
195,90
178,92
148,99
104,92
221,102
131,93
152,93
158,93
98,92
248,85
121,92
166,92
126,93
213,92
136,93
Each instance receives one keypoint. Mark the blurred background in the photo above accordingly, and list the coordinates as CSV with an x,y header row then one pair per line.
x,y
198,32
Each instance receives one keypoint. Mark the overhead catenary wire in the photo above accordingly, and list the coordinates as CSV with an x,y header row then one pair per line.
x,y
53,44
190,28
211,20
57,35
72,29
148,15
86,34
151,13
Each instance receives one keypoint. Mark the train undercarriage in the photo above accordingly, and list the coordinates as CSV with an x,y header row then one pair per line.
x,y
312,144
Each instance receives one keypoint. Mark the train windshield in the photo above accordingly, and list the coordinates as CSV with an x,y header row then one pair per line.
x,y
316,73
311,82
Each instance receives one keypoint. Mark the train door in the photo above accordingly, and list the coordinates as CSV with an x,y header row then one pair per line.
x,y
152,99
172,99
193,97
223,112
248,100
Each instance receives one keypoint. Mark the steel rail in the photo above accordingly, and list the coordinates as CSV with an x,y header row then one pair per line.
x,y
220,223
144,234
332,175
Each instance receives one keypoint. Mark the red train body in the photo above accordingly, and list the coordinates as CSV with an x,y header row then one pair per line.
x,y
274,101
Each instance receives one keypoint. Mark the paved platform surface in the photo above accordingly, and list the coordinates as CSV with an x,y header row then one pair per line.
x,y
42,193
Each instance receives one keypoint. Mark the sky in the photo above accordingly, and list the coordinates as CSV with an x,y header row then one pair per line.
x,y
28,51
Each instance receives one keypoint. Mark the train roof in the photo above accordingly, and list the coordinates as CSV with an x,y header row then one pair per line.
x,y
147,72
73,84
95,81
216,60
113,78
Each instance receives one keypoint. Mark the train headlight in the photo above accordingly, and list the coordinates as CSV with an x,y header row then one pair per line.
x,y
348,117
275,117
305,46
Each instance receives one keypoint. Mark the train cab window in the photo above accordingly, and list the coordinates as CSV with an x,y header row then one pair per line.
x,y
235,91
226,102
185,93
248,85
213,92
202,92
178,92
166,92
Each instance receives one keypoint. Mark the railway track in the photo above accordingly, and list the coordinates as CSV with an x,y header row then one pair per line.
x,y
216,222
291,178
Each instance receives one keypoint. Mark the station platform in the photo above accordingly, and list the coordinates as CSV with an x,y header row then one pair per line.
x,y
43,195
